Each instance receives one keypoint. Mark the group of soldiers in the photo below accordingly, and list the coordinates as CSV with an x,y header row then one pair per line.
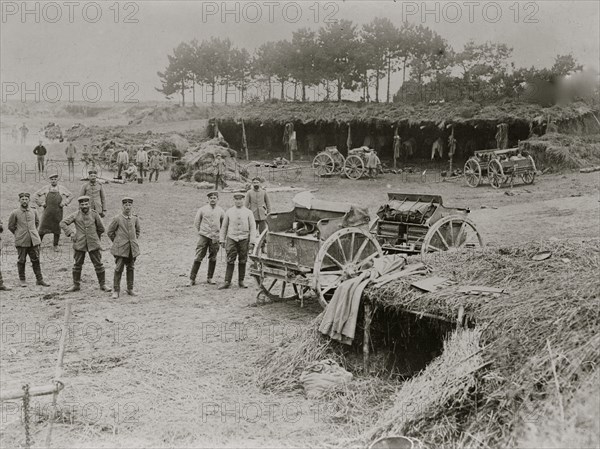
x,y
84,227
235,230
143,164
22,132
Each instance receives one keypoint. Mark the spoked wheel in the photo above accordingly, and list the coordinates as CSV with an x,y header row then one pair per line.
x,y
496,174
323,164
472,172
354,167
451,234
342,256
339,160
529,176
273,288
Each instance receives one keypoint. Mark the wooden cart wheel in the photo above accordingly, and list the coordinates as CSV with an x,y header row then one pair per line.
x,y
354,167
342,256
273,288
529,176
451,233
472,172
496,174
323,164
339,161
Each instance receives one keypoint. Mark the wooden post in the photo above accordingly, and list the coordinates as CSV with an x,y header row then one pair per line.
x,y
367,336
244,141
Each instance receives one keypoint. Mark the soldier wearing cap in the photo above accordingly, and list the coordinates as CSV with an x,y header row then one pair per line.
x,y
3,287
122,161
238,234
52,198
86,239
123,231
154,165
95,191
23,223
219,169
71,151
40,151
208,221
141,159
258,202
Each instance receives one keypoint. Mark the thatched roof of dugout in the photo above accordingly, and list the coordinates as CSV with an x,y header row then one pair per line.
x,y
382,114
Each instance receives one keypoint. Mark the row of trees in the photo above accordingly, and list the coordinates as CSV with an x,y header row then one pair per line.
x,y
343,57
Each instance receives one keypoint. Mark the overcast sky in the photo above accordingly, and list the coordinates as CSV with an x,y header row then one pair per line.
x,y
113,44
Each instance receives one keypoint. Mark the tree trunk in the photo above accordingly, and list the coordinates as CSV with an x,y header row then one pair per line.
x,y
389,72
194,90
327,90
303,92
282,89
339,90
226,90
242,91
212,94
295,90
403,79
269,78
183,91
377,86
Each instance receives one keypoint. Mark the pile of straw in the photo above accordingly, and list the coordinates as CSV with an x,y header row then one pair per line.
x,y
557,151
540,342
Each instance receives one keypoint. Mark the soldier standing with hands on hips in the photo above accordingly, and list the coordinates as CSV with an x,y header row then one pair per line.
x,y
238,236
124,230
86,239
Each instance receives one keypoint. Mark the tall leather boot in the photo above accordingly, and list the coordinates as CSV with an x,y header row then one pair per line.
x,y
101,275
130,278
117,284
241,275
76,281
211,271
21,270
228,276
37,269
3,288
193,274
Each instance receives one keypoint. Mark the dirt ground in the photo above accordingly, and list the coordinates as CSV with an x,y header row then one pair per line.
x,y
176,366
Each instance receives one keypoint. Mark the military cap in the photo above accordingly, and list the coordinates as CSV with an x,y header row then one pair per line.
x,y
24,194
239,193
53,175
257,178
83,198
92,171
213,192
127,199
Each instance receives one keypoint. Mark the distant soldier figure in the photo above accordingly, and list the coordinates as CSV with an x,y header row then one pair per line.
x,y
85,157
94,190
122,161
154,164
373,163
23,223
141,159
219,170
238,234
40,151
258,202
14,132
24,131
86,239
71,151
208,224
123,231
53,198
94,156
3,287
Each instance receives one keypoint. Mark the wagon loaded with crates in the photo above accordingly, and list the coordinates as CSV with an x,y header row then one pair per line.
x,y
499,167
311,249
421,224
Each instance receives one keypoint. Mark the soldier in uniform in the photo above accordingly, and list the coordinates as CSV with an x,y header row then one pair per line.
x,y
124,230
86,239
93,189
258,202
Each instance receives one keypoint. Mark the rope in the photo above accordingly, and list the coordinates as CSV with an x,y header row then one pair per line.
x,y
26,416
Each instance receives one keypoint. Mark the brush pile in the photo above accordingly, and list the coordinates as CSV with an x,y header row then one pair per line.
x,y
556,152
543,335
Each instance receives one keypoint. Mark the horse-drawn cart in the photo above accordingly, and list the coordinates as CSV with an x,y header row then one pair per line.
x,y
500,167
328,162
311,250
415,223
